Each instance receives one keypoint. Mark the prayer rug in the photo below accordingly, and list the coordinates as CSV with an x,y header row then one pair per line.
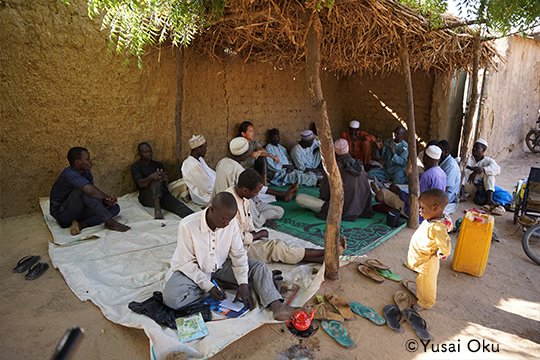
x,y
362,235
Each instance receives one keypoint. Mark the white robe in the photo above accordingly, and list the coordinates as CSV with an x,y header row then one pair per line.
x,y
199,178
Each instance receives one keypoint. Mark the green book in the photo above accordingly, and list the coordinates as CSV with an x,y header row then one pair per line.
x,y
191,327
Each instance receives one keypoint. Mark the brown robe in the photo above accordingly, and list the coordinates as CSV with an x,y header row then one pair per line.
x,y
357,199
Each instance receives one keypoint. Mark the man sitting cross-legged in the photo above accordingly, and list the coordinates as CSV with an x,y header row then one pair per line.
x,y
249,184
433,177
76,201
151,180
227,172
198,176
283,172
210,247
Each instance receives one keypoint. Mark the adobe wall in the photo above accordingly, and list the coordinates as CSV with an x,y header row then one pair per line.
x,y
511,98
59,88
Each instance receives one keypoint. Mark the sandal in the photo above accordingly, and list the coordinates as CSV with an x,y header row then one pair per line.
x,y
341,305
322,312
410,285
389,275
36,271
370,273
498,210
25,263
417,323
393,317
368,313
373,263
338,333
402,300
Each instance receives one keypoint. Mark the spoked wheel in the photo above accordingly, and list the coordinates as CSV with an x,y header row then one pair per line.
x,y
531,243
533,141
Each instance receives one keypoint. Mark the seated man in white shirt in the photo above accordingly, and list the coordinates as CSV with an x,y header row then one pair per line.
x,y
210,247
482,170
198,176
249,184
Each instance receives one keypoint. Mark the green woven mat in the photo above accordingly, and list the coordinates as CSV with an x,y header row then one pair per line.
x,y
362,235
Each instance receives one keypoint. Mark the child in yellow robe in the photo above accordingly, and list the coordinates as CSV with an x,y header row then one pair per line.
x,y
429,244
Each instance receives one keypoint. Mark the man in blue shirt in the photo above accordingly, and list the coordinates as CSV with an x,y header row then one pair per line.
x,y
76,202
395,153
453,176
433,177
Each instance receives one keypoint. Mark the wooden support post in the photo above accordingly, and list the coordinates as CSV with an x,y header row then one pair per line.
x,y
471,107
178,106
414,187
333,221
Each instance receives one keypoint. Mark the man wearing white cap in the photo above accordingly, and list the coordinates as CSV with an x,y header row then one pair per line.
x,y
481,171
357,197
198,176
151,181
306,155
453,176
359,142
229,169
432,177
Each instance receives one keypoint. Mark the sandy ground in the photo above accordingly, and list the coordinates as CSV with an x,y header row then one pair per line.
x,y
501,309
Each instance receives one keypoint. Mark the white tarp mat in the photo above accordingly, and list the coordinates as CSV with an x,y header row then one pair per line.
x,y
111,269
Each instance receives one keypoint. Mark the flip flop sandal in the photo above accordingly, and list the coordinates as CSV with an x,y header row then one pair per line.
x,y
393,317
417,323
370,273
389,275
402,300
338,333
25,263
341,305
36,271
373,263
322,312
498,210
368,313
410,285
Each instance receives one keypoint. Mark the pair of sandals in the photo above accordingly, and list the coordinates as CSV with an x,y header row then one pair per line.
x,y
30,263
394,315
495,209
375,270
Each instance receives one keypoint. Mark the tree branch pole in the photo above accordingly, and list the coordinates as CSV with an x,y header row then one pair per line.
x,y
471,107
178,105
414,186
333,221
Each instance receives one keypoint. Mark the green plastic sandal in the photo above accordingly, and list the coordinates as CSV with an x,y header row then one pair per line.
x,y
389,275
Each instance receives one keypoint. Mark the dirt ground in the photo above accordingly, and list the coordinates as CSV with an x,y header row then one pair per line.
x,y
500,310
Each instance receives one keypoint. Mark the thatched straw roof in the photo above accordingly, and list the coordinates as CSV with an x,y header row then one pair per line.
x,y
360,36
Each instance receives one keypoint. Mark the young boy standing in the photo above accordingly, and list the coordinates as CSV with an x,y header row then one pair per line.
x,y
429,244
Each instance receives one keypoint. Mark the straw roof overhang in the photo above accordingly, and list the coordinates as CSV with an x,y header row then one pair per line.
x,y
361,36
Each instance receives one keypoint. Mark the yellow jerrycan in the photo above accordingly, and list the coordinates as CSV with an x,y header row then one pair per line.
x,y
474,240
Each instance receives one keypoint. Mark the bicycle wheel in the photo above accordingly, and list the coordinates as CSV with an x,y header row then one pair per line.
x,y
531,243
533,141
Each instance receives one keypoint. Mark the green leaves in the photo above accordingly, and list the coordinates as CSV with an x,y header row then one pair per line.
x,y
134,25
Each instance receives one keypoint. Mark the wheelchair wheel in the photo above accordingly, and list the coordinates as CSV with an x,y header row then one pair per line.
x,y
533,141
531,243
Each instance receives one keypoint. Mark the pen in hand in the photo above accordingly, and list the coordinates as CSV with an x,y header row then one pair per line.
x,y
219,288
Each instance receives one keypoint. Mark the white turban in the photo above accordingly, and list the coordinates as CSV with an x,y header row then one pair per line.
x,y
341,146
354,124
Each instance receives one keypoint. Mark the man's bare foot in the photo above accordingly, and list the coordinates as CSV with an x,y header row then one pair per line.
x,y
158,215
342,245
417,307
270,223
112,224
293,190
283,312
75,230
